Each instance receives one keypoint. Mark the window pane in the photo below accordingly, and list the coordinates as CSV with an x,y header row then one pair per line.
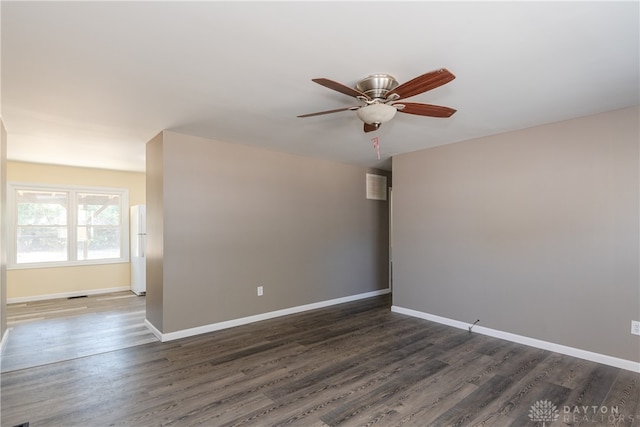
x,y
41,208
98,242
41,232
98,229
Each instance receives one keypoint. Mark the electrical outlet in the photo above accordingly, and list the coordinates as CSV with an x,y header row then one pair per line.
x,y
635,327
260,291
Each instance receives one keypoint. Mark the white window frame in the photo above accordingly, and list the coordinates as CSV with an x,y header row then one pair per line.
x,y
72,225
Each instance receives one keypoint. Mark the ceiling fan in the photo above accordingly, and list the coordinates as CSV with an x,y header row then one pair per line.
x,y
380,92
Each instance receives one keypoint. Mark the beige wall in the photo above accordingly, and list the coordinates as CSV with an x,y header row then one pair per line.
x,y
27,283
235,217
534,232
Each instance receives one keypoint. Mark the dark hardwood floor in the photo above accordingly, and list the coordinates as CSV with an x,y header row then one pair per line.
x,y
355,364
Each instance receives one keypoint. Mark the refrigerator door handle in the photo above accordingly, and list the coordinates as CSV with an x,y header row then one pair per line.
x,y
141,244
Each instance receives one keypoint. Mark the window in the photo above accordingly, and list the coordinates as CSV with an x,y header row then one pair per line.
x,y
61,226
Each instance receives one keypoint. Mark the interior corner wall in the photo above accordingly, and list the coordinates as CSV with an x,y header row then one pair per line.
x,y
236,217
534,232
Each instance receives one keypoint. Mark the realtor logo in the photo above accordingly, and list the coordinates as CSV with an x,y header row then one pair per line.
x,y
544,411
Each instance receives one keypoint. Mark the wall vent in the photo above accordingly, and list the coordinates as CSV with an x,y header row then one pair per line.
x,y
376,187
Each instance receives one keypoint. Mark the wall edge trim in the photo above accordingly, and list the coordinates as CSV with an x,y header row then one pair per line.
x,y
184,333
616,362
67,294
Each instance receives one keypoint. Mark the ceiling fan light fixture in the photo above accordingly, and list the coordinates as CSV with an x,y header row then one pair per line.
x,y
376,113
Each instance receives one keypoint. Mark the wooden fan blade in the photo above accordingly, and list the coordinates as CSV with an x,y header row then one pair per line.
x,y
371,127
422,84
339,87
329,111
425,109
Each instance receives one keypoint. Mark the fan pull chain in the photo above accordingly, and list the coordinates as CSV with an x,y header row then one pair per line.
x,y
376,145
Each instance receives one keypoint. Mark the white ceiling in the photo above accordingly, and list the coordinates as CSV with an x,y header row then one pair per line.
x,y
89,83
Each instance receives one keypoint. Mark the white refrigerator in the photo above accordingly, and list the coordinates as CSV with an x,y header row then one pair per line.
x,y
138,249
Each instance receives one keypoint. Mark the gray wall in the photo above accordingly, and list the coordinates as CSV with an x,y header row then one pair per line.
x,y
235,217
3,229
155,247
534,232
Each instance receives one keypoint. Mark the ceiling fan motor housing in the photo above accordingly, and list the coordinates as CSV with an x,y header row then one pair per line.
x,y
377,86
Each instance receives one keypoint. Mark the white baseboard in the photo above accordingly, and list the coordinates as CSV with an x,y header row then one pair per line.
x,y
628,365
4,340
153,329
258,317
67,294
